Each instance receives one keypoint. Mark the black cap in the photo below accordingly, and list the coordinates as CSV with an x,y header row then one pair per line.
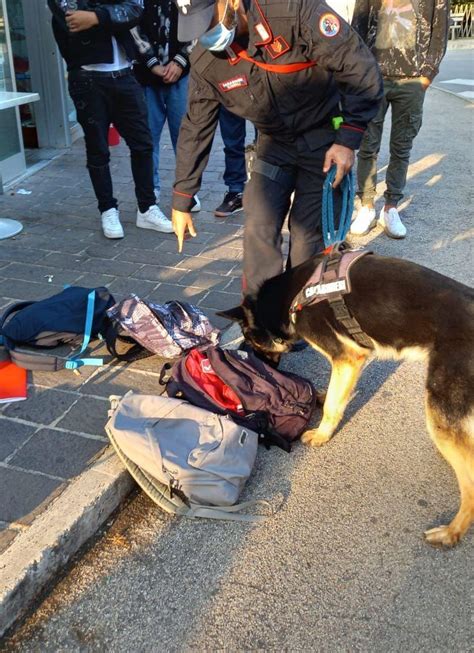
x,y
194,18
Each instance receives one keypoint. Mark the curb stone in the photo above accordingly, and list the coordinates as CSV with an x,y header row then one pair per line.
x,y
38,553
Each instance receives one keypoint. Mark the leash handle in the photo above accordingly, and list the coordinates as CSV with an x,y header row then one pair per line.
x,y
330,236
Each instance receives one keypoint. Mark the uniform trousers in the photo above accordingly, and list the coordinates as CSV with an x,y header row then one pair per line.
x,y
287,168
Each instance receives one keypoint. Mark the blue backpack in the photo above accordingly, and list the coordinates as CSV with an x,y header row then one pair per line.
x,y
72,317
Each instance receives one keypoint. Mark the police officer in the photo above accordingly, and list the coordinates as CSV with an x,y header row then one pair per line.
x,y
292,68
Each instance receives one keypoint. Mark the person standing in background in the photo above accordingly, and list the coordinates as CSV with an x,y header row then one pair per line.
x,y
98,49
408,39
235,174
162,70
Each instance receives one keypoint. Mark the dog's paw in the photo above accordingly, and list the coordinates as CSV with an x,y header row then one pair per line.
x,y
315,438
442,536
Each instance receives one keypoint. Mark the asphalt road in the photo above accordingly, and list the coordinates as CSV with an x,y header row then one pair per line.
x,y
456,73
342,565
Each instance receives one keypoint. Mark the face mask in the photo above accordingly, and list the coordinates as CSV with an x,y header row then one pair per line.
x,y
218,38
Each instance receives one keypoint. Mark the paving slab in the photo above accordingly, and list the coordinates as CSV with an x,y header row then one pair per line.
x,y
12,436
23,493
57,453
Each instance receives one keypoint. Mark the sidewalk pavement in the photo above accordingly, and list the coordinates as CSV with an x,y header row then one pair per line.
x,y
49,440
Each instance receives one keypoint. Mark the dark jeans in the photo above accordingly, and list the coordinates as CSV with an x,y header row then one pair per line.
x,y
233,134
102,99
406,97
294,167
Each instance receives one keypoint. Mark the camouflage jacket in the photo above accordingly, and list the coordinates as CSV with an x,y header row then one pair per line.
x,y
408,38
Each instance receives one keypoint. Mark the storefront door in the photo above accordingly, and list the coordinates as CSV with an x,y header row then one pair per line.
x,y
39,67
12,158
30,62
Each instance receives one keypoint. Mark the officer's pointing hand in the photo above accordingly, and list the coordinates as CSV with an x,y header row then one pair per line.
x,y
182,222
342,157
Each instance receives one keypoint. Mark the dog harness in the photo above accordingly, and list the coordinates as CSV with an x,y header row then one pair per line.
x,y
331,281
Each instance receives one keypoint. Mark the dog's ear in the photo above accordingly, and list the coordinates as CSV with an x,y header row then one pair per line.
x,y
236,314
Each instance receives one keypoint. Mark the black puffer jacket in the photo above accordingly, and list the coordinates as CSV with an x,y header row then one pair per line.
x,y
407,38
116,18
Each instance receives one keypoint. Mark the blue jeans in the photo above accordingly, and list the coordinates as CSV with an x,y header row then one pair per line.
x,y
233,134
165,103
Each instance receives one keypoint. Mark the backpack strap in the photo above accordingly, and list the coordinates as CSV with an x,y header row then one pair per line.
x,y
75,361
165,375
30,360
270,439
171,502
228,513
134,353
36,362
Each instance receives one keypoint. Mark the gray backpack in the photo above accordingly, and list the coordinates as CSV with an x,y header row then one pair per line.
x,y
190,461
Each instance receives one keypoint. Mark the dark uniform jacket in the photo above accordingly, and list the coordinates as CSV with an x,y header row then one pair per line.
x,y
116,18
345,80
407,38
157,42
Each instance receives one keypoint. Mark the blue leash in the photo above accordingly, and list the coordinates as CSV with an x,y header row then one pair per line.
x,y
330,235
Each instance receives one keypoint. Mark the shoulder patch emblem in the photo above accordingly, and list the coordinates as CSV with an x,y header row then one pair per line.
x,y
329,25
235,82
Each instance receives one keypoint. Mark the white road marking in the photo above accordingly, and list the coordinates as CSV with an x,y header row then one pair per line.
x,y
467,94
462,82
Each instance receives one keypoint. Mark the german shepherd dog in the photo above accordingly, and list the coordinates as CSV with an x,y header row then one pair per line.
x,y
408,311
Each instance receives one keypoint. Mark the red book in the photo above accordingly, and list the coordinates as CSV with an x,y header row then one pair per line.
x,y
12,382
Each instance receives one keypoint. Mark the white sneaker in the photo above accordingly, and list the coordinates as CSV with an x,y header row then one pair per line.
x,y
111,224
155,219
391,223
197,205
364,221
